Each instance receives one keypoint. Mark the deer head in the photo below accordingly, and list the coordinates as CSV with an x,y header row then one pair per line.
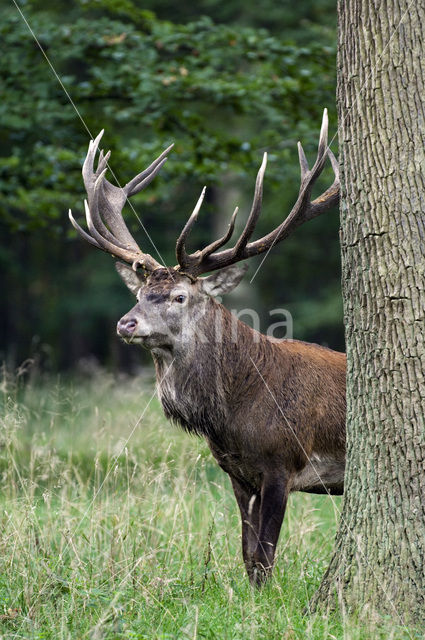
x,y
171,300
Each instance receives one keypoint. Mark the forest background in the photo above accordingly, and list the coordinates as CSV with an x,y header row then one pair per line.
x,y
223,81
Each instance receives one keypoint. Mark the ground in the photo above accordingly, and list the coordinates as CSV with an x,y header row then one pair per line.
x,y
115,524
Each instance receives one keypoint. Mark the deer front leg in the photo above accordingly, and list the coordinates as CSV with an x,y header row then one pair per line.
x,y
274,495
249,505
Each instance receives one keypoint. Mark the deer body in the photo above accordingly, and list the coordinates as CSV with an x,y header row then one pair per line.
x,y
295,393
272,411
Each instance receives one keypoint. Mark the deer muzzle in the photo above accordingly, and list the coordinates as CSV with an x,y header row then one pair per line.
x,y
127,328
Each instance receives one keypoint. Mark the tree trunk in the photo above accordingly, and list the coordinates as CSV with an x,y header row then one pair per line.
x,y
379,554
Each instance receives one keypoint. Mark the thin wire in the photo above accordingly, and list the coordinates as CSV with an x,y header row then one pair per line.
x,y
85,125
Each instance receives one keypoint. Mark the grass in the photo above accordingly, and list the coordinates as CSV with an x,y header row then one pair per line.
x,y
114,524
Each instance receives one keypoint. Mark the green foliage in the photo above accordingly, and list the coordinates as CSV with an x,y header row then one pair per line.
x,y
110,531
222,93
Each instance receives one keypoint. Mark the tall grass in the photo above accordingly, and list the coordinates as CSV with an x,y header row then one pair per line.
x,y
114,524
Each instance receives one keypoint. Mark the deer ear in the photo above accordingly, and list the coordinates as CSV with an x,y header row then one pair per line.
x,y
224,280
132,279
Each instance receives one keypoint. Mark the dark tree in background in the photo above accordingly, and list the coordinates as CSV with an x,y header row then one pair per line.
x,y
224,88
379,556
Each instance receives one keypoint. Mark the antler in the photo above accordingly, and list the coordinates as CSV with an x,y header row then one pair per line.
x,y
110,233
206,260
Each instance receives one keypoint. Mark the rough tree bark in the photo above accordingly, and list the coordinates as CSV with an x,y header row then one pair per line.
x,y
379,552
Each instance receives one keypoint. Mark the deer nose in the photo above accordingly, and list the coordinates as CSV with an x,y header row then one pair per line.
x,y
126,326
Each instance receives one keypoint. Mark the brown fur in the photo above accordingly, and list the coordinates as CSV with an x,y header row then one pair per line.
x,y
296,400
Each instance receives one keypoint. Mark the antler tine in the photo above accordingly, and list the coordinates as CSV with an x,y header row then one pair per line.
x,y
103,161
181,254
303,161
335,165
323,138
81,231
328,198
221,241
88,165
255,209
143,179
310,176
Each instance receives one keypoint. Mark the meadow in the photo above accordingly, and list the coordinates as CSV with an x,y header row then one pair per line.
x,y
115,524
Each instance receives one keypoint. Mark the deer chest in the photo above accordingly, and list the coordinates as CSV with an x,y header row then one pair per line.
x,y
242,467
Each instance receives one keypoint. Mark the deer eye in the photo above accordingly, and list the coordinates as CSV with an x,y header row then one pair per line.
x,y
180,299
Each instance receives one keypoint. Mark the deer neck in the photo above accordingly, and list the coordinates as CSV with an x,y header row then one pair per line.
x,y
198,385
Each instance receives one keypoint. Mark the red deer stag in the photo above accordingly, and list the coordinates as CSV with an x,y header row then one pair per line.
x,y
272,411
